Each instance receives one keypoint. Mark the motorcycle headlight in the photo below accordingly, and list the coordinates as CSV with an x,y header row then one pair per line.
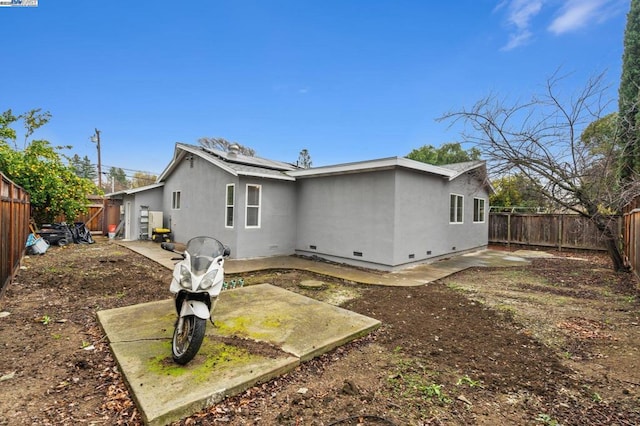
x,y
208,280
185,277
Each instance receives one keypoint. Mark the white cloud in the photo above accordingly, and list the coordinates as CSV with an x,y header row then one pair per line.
x,y
576,14
517,39
519,15
569,16
522,11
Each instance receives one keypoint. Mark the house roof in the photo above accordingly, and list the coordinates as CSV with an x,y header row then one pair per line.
x,y
233,163
242,165
464,167
135,190
449,171
236,158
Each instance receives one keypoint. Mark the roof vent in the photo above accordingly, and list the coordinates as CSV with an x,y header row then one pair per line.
x,y
234,150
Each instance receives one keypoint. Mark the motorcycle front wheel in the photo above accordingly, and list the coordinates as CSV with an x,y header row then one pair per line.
x,y
187,342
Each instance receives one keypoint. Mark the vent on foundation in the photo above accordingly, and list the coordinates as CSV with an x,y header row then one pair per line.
x,y
312,247
428,252
412,256
357,253
453,248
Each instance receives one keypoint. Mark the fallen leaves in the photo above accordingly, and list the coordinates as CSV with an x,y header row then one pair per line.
x,y
584,328
118,404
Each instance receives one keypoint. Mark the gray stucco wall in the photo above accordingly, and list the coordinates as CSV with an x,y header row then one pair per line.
x,y
469,235
276,234
151,198
392,217
421,216
203,208
422,227
202,201
347,215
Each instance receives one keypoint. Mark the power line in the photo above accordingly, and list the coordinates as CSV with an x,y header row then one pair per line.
x,y
147,178
131,170
104,166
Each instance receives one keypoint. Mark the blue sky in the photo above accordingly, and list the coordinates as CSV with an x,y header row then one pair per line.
x,y
347,80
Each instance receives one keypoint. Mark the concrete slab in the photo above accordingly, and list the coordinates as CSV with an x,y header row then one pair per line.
x,y
414,275
533,254
302,328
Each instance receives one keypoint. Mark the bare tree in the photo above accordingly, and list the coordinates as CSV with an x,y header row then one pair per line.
x,y
224,145
140,179
541,139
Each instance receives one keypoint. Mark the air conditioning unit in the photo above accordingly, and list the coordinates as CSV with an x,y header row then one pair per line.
x,y
155,220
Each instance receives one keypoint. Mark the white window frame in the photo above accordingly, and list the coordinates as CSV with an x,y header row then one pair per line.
x,y
479,212
457,206
176,197
253,206
230,208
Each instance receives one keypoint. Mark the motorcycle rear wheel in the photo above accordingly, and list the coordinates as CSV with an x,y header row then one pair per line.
x,y
185,345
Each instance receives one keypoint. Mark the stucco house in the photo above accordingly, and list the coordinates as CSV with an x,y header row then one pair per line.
x,y
384,214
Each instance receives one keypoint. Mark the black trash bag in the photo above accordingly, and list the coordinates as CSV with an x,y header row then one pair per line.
x,y
81,234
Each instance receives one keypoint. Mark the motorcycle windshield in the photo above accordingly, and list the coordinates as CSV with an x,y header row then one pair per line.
x,y
202,252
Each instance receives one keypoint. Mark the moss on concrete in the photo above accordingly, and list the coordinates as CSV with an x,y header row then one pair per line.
x,y
247,327
211,358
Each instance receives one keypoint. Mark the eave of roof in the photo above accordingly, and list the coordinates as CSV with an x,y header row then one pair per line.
x,y
468,166
462,168
135,190
374,165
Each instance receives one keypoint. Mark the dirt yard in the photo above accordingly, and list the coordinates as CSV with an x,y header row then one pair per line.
x,y
553,343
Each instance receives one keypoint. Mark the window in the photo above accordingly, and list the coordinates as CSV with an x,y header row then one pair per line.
x,y
175,200
478,210
231,195
253,206
455,208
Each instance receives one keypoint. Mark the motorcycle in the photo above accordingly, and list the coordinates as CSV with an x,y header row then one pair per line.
x,y
197,280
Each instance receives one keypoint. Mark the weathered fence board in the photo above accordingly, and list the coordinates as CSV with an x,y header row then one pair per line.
x,y
93,219
14,228
561,231
632,237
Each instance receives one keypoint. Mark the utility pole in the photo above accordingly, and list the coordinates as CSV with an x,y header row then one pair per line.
x,y
96,138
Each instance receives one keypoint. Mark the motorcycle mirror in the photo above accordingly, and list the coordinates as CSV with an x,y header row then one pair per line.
x,y
227,251
168,246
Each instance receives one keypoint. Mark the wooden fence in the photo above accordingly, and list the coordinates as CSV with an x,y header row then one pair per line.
x,y
93,219
560,231
15,212
631,219
101,213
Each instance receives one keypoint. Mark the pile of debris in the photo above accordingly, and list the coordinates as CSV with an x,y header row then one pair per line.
x,y
59,234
